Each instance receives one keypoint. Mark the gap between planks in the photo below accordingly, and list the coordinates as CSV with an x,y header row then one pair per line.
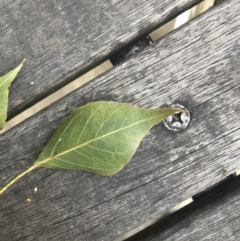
x,y
176,208
107,65
151,222
188,219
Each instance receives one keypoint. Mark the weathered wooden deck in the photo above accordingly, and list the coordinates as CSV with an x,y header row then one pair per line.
x,y
197,65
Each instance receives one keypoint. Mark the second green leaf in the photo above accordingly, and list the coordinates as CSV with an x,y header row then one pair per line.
x,y
5,82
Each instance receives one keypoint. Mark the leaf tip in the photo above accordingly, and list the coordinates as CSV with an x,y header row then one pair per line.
x,y
23,61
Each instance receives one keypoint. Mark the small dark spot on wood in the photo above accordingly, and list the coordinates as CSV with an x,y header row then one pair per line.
x,y
225,171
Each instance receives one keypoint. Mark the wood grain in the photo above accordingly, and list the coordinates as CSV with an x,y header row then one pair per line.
x,y
214,215
62,40
198,66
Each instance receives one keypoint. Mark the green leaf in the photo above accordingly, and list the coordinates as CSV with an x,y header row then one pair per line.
x,y
100,137
5,82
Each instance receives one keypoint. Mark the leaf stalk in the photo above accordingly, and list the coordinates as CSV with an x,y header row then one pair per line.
x,y
17,178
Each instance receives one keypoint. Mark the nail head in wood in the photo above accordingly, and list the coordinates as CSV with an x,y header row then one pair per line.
x,y
179,121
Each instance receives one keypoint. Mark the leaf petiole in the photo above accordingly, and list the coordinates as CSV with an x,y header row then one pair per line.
x,y
17,178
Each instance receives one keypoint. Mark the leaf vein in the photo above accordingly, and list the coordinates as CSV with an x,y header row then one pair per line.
x,y
87,122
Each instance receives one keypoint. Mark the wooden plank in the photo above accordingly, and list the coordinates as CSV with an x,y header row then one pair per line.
x,y
62,40
212,216
196,65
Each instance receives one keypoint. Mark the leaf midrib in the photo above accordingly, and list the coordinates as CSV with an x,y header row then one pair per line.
x,y
95,139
